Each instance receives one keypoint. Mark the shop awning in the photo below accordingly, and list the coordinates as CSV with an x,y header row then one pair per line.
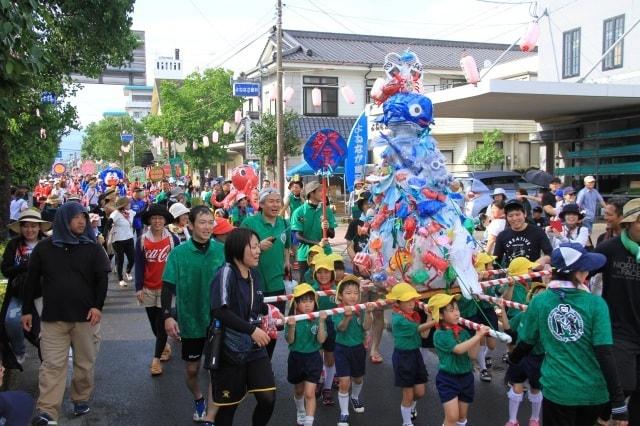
x,y
531,100
602,169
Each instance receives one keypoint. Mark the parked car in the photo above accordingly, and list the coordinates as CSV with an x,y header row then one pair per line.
x,y
483,183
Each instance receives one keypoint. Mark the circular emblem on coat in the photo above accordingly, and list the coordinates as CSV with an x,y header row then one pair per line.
x,y
565,323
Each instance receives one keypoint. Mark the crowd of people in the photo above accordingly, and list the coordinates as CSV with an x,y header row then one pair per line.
x,y
206,260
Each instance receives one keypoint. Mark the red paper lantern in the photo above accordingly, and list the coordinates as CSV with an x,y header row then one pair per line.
x,y
470,69
348,95
530,38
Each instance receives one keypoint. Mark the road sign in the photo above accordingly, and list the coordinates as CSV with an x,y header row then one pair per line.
x,y
126,137
246,89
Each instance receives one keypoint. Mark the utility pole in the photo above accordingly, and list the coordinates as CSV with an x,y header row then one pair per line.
x,y
279,105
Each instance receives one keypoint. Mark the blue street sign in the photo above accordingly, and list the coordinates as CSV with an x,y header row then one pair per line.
x,y
246,89
48,98
125,137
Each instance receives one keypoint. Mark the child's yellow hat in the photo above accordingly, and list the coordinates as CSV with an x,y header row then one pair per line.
x,y
439,301
403,292
482,259
322,263
346,279
521,265
335,257
315,249
302,289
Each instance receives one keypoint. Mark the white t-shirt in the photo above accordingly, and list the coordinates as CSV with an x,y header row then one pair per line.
x,y
496,226
16,207
122,227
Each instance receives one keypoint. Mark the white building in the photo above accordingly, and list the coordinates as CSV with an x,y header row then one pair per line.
x,y
138,104
587,109
329,61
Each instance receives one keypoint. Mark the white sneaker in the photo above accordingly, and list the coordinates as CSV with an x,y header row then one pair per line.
x,y
21,358
127,276
123,283
300,415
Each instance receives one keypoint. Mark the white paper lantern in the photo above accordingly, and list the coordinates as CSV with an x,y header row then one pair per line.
x,y
226,127
215,137
288,94
237,117
205,141
316,97
194,146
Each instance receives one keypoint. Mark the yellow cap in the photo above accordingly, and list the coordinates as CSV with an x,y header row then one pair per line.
x,y
315,249
534,288
403,292
303,288
482,259
346,279
322,263
439,301
335,257
520,265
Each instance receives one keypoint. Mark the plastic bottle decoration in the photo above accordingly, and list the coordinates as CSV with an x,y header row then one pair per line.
x,y
205,141
348,95
470,69
226,127
215,136
316,97
237,117
530,38
288,94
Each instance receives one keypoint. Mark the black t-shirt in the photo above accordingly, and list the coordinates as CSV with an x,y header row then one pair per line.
x,y
621,289
548,199
359,241
527,243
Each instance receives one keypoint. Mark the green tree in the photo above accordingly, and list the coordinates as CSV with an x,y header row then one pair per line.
x,y
41,44
102,140
263,137
487,154
193,109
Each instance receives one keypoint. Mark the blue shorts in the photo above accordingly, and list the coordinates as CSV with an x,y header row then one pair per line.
x,y
303,367
350,360
408,368
330,342
529,368
452,386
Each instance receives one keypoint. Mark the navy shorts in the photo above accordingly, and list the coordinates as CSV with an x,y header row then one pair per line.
x,y
303,367
408,368
350,360
233,382
452,386
192,348
529,368
329,344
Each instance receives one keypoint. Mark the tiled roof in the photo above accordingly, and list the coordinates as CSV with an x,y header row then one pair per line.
x,y
354,49
306,126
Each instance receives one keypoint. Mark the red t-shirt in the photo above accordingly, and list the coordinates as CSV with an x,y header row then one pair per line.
x,y
155,254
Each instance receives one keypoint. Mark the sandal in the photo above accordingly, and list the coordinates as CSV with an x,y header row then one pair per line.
x,y
376,359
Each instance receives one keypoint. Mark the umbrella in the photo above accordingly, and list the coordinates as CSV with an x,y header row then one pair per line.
x,y
538,177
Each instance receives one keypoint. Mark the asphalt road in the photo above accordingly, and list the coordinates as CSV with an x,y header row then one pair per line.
x,y
127,395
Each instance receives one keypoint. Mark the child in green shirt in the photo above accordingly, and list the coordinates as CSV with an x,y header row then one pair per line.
x,y
304,365
455,347
408,364
324,280
350,354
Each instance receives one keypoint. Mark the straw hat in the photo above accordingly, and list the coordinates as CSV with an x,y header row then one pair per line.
x,y
631,211
30,215
178,209
122,202
53,199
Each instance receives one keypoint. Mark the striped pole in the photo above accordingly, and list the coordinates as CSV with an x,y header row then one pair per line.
x,y
507,303
491,273
379,304
524,278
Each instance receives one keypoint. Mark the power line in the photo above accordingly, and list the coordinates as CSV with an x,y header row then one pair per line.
x,y
243,48
331,17
211,24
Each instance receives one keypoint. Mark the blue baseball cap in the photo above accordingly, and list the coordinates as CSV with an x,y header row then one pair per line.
x,y
570,257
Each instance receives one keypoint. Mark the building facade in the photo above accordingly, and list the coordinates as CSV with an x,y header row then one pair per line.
x,y
330,61
138,104
604,143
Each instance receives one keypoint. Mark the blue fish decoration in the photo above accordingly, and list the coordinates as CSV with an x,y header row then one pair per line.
x,y
412,107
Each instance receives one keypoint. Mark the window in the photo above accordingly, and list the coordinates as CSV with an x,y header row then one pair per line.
x,y
367,90
448,156
328,87
448,83
571,53
612,30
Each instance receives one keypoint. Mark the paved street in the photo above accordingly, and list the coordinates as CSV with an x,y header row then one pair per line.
x,y
127,395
